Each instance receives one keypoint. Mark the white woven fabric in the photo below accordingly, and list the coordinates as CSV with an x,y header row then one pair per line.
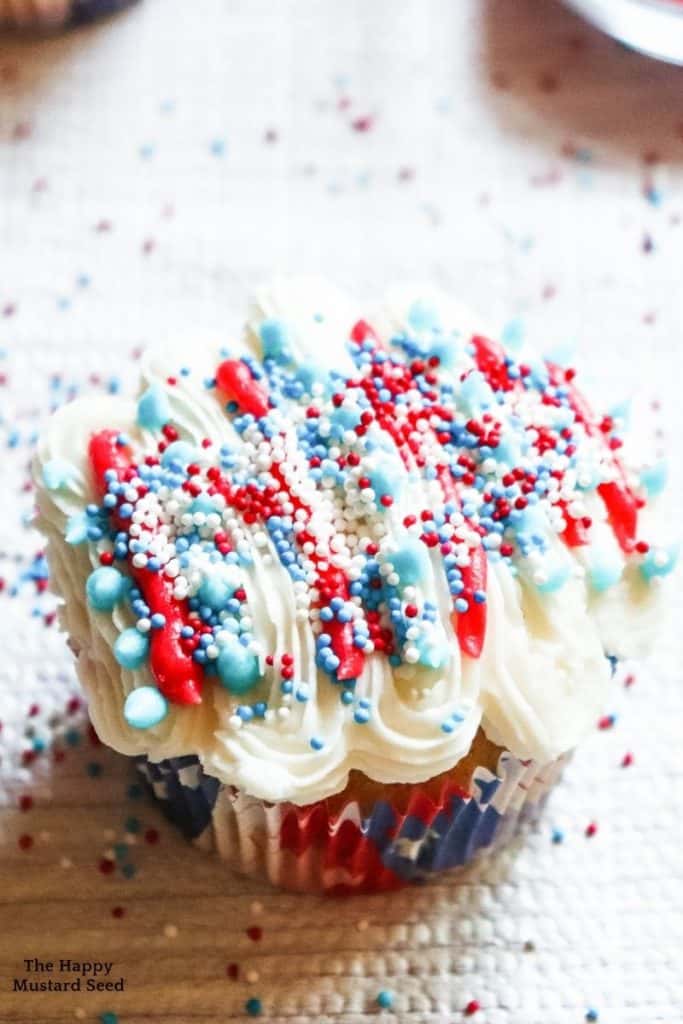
x,y
154,168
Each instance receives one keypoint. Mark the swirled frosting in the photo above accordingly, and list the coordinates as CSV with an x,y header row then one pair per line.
x,y
347,542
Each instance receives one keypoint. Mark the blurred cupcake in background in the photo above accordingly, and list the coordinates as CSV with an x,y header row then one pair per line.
x,y
56,14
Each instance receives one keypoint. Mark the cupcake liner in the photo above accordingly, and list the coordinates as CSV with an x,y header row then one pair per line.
x,y
52,14
325,847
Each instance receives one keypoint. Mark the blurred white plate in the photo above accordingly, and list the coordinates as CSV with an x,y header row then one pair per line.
x,y
654,27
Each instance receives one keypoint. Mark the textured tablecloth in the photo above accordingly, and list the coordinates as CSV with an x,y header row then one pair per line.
x,y
154,168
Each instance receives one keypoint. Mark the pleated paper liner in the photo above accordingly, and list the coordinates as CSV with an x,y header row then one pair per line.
x,y
337,849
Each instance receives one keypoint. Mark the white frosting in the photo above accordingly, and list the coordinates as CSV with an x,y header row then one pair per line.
x,y
538,686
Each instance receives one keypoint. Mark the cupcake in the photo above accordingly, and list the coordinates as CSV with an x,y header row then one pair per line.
x,y
348,587
53,14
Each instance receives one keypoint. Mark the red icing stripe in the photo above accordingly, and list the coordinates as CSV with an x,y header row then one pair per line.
x,y
575,533
490,359
178,676
622,512
251,503
620,502
470,626
234,379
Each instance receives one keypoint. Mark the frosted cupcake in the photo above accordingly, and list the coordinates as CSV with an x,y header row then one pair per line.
x,y
345,586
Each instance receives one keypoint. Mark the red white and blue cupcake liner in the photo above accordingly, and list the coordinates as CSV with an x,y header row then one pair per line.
x,y
336,849
54,14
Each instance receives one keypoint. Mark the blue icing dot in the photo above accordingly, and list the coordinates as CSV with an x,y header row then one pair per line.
x,y
104,587
77,529
532,520
180,452
347,416
145,707
203,503
589,478
539,373
622,412
446,350
154,408
131,648
557,572
513,335
475,391
605,569
654,478
387,477
58,473
433,649
410,561
238,668
275,340
310,373
562,355
423,316
507,451
216,589
562,417
659,561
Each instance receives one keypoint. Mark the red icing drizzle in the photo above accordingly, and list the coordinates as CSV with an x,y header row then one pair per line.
x,y
178,676
234,379
490,359
470,626
619,500
255,506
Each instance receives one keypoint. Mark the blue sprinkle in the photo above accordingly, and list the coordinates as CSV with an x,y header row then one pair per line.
x,y
385,999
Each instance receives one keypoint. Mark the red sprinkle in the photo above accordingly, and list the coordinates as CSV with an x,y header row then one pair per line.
x,y
25,802
255,933
472,1007
152,836
106,866
25,842
591,829
627,760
